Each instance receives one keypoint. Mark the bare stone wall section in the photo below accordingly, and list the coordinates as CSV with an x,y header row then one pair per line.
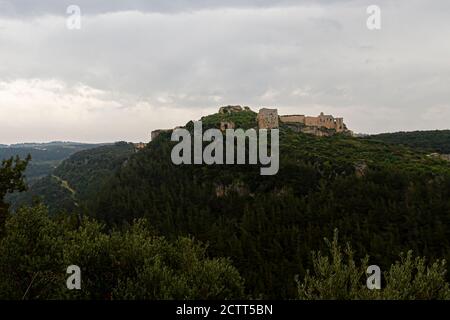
x,y
321,121
268,119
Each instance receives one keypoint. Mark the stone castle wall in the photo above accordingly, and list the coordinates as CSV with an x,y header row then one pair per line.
x,y
268,118
293,118
321,121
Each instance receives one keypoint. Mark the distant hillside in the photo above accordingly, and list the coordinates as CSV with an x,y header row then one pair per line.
x,y
45,156
76,178
436,141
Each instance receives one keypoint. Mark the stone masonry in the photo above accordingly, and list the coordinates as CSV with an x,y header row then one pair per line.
x,y
268,118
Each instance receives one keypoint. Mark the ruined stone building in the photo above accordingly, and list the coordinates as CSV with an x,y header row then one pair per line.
x,y
224,125
139,146
322,125
267,118
232,109
322,121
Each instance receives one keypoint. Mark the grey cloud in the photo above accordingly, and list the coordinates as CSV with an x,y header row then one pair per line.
x,y
58,7
301,59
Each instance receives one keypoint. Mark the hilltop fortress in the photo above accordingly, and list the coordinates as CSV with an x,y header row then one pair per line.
x,y
322,125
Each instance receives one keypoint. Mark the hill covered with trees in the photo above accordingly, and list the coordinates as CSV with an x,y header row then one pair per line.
x,y
76,179
258,231
434,141
132,262
45,157
384,199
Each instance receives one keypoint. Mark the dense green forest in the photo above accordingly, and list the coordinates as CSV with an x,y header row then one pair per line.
x,y
437,140
254,235
134,263
36,250
383,198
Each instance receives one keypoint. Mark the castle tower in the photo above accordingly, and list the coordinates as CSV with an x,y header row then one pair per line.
x,y
268,119
339,124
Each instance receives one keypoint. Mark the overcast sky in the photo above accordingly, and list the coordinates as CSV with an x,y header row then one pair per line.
x,y
136,66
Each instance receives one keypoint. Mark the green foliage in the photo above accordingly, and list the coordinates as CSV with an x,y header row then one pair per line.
x,y
76,179
413,279
245,119
30,256
268,224
11,175
338,276
335,277
85,171
437,140
11,180
384,198
46,156
129,264
179,271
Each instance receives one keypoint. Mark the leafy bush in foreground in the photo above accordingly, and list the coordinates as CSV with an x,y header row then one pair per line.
x,y
338,276
129,264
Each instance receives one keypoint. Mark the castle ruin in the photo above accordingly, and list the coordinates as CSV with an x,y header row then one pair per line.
x,y
267,118
224,125
232,109
322,121
322,125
